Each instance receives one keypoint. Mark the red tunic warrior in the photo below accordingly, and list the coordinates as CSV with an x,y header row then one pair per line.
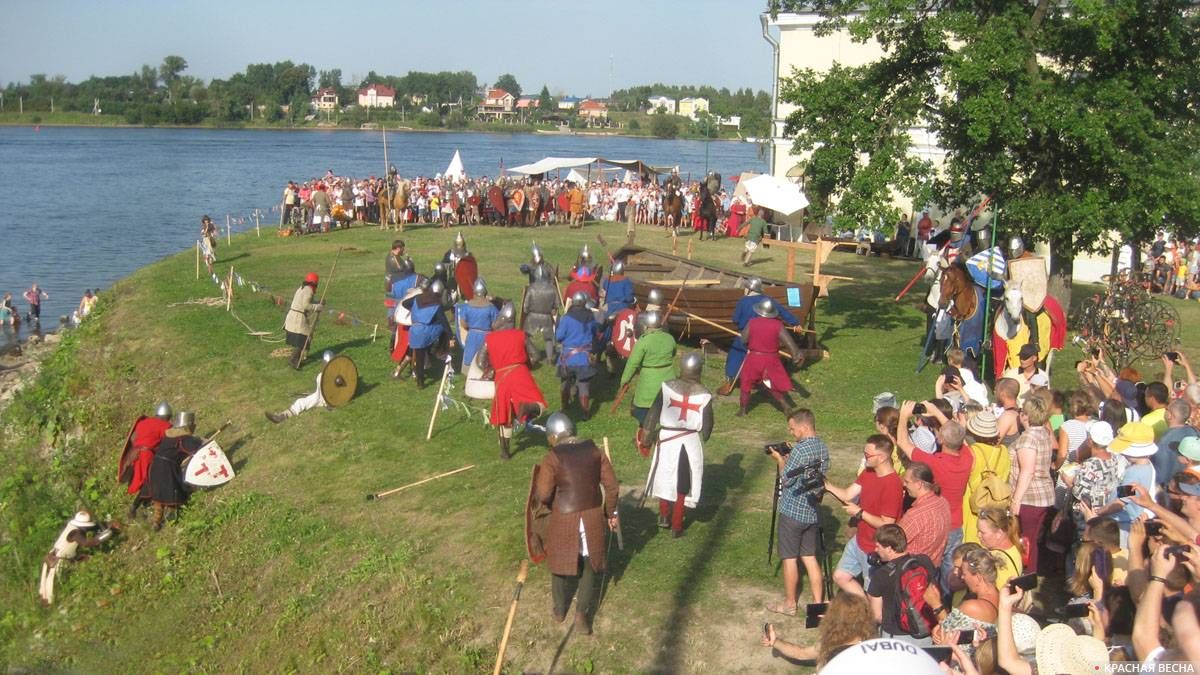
x,y
508,352
763,335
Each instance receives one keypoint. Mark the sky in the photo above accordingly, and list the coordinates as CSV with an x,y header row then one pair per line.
x,y
576,48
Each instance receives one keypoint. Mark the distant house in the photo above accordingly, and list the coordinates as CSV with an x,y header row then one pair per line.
x,y
497,105
734,121
593,110
692,107
325,100
377,96
525,103
663,102
568,102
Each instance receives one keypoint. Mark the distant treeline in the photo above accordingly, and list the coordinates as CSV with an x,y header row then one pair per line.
x,y
281,92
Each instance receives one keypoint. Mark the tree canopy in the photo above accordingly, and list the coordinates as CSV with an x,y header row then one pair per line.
x,y
1077,117
509,83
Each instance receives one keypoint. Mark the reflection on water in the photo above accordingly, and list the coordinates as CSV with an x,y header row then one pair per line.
x,y
96,204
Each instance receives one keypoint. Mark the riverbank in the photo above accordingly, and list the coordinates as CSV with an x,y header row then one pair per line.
x,y
20,362
288,568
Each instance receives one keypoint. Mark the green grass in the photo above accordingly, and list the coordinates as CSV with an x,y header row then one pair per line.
x,y
288,568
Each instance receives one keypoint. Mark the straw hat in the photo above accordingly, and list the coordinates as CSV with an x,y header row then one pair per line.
x,y
82,520
1136,439
983,424
1060,650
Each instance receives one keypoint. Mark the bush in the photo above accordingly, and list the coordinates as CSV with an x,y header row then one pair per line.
x,y
664,126
456,120
634,125
430,119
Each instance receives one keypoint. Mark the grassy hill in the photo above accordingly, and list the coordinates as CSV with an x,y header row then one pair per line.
x,y
288,568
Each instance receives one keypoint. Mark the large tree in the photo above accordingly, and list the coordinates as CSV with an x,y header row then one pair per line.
x,y
1078,117
509,83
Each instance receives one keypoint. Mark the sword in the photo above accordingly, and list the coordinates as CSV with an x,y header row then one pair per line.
x,y
774,512
620,535
650,478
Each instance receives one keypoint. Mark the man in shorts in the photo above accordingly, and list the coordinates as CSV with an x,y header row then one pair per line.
x,y
756,228
802,481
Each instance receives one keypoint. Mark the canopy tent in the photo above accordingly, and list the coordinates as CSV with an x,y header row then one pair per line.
x,y
555,163
576,177
455,171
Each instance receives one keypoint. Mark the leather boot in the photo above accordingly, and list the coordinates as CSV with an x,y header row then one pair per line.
x,y
584,402
564,396
276,418
504,453
583,624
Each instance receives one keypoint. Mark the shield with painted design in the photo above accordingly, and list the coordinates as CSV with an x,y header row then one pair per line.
x,y
1029,275
125,464
339,381
209,467
623,335
537,521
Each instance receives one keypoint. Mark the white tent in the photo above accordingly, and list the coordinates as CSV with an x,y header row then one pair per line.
x,y
576,177
455,171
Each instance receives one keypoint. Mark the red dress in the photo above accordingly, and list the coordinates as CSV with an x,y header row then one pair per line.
x,y
762,356
399,343
737,213
514,383
147,434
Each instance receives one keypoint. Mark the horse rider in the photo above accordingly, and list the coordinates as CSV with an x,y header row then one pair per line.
x,y
569,481
681,420
301,317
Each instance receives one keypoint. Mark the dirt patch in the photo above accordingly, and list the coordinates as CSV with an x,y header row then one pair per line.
x,y
20,365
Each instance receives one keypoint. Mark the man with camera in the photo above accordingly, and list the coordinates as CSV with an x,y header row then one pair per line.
x,y
897,588
875,499
802,466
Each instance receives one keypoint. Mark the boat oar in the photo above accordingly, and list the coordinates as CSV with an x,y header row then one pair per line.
x,y
512,614
726,329
381,495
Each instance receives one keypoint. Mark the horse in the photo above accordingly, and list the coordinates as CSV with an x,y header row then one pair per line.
x,y
672,205
957,319
706,213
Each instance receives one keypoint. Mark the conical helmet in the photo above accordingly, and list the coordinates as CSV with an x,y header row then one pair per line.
x,y
163,411
585,255
655,297
559,427
479,287
460,242
535,254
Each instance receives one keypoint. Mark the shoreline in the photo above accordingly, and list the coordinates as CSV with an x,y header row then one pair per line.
x,y
21,361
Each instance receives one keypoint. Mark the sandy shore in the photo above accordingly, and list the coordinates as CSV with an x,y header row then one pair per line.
x,y
20,364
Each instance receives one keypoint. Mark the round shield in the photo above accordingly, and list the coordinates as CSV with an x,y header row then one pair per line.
x,y
125,464
623,336
537,521
339,381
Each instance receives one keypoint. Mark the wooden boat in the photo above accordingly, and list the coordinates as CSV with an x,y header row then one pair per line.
x,y
710,295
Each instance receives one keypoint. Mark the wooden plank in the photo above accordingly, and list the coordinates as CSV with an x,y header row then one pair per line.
x,y
675,283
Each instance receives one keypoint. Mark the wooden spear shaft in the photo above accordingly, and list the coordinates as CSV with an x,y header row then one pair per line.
x,y
512,614
437,402
197,259
385,493
328,283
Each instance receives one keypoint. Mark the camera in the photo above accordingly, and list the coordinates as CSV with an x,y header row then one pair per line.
x,y
1154,528
919,409
811,479
1125,491
1177,552
1173,356
874,559
783,448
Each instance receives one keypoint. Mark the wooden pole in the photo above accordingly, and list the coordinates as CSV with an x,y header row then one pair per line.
x,y
691,244
437,402
229,291
512,614
197,258
374,331
385,493
257,230
282,208
620,535
228,231
383,212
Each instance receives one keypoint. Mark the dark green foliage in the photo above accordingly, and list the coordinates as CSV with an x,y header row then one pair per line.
x,y
664,126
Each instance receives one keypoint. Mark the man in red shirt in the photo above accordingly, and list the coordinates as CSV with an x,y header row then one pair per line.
x,y
147,433
763,336
508,352
872,501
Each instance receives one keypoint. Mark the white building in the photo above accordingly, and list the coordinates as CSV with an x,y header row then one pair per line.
x,y
377,96
663,102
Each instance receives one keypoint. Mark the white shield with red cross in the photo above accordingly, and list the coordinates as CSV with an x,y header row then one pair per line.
x,y
623,337
209,467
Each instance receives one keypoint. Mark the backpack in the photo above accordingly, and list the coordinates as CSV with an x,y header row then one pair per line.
x,y
992,490
916,616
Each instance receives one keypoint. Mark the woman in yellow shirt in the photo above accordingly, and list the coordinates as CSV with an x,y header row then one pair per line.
x,y
998,533
990,456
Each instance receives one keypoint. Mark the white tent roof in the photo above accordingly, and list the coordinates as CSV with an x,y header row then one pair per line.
x,y
455,170
556,163
576,177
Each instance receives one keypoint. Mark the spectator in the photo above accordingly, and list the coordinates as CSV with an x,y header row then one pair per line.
x,y
799,533
999,535
1028,372
1097,476
847,621
34,296
1057,648
1033,491
1156,398
890,654
897,587
1169,370
1135,442
926,523
1167,460
1074,431
1146,628
977,569
873,500
991,464
1008,413
8,315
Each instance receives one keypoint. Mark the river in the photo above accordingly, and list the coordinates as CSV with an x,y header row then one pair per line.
x,y
91,205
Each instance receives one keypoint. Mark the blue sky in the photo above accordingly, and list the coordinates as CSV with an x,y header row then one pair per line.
x,y
574,47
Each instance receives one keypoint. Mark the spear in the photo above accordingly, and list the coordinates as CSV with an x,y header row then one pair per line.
x,y
308,338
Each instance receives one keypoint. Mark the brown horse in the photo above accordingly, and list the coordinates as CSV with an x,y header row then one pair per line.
x,y
673,208
963,300
958,293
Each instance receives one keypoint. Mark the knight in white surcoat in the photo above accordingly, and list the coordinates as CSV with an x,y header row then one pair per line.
x,y
73,537
682,418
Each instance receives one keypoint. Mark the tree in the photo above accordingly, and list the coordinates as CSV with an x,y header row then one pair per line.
x,y
1076,120
330,78
545,102
509,83
664,126
172,67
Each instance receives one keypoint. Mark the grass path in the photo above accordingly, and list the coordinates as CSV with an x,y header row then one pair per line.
x,y
289,569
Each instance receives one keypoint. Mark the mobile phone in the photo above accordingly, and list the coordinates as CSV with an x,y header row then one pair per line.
x,y
1076,611
813,613
939,654
1178,552
1124,490
1173,356
1154,528
1025,582
966,637
766,630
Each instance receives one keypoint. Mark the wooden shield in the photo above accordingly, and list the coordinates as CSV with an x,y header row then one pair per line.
x,y
496,198
125,465
1029,275
537,522
623,336
339,381
209,467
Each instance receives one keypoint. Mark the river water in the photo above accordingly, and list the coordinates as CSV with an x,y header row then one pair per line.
x,y
88,206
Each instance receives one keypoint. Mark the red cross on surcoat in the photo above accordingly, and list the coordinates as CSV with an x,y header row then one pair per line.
x,y
684,406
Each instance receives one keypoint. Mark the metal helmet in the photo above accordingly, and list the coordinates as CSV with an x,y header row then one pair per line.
x,y
479,287
328,355
185,420
753,285
585,255
648,321
983,240
507,315
439,269
579,299
691,365
422,281
535,254
1016,247
559,427
655,297
460,242
618,266
437,287
766,308
163,410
